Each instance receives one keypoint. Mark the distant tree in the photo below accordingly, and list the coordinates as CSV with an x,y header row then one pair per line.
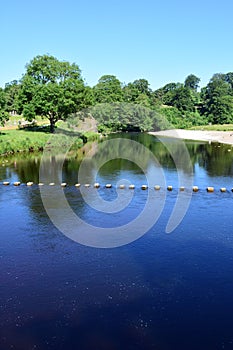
x,y
142,85
229,79
164,94
130,93
51,88
108,90
192,82
177,95
88,97
170,87
11,93
143,100
217,100
182,99
4,116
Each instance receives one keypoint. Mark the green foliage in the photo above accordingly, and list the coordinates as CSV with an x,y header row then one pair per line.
x,y
55,90
108,90
89,136
4,116
192,82
52,89
218,99
184,97
17,140
138,92
165,94
142,86
127,117
11,93
13,141
29,112
143,100
130,93
214,127
182,121
180,97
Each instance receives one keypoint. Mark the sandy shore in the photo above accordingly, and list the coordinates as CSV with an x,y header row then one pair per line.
x,y
198,135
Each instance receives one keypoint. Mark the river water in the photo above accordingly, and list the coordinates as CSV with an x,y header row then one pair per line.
x,y
161,291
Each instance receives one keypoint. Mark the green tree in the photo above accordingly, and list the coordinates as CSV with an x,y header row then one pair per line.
x,y
11,93
143,100
130,93
217,100
51,88
142,85
108,90
165,94
4,116
182,98
138,92
192,82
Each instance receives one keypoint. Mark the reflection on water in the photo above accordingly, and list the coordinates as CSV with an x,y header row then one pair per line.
x,y
215,160
160,292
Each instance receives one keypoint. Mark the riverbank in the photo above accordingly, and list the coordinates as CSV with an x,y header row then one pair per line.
x,y
14,141
197,135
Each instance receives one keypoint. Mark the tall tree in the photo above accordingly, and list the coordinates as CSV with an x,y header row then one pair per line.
x,y
177,95
182,99
51,88
143,100
11,92
217,99
108,90
4,116
138,92
142,85
229,79
192,82
130,93
164,94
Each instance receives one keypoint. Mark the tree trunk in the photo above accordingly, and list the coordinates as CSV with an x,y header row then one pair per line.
x,y
52,125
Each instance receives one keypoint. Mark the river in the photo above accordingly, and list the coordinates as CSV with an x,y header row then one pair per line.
x,y
155,290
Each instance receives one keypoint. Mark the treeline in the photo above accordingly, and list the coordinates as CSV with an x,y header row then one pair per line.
x,y
56,90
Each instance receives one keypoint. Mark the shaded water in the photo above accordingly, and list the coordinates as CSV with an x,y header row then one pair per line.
x,y
159,292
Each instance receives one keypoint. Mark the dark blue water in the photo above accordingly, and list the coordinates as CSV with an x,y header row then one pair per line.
x,y
162,291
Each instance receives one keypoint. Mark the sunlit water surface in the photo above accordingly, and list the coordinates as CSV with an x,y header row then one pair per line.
x,y
162,291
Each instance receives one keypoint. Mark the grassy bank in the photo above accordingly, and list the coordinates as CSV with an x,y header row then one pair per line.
x,y
215,127
14,141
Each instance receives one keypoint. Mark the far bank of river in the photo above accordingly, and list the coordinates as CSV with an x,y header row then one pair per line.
x,y
197,135
14,141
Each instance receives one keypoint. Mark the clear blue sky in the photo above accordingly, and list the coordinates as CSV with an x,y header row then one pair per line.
x,y
162,41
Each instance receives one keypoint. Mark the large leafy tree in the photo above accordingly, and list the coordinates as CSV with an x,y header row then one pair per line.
x,y
183,100
138,92
130,93
165,93
192,82
108,90
4,116
51,88
217,99
142,85
177,95
11,93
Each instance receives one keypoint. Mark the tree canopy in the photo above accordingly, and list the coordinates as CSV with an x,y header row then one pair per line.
x,y
55,90
108,90
192,82
217,99
51,88
3,112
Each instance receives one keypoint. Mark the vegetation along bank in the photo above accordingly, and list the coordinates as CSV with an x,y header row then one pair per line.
x,y
52,91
